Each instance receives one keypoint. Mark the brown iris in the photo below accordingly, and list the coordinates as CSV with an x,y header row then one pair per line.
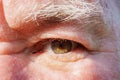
x,y
61,46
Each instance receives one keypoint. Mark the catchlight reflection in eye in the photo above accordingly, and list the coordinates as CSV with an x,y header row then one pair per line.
x,y
61,46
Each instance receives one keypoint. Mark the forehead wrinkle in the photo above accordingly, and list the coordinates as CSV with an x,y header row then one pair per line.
x,y
53,13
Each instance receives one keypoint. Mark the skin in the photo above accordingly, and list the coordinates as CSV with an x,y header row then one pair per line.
x,y
101,60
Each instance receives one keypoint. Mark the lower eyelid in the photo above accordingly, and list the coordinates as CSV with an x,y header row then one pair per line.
x,y
72,56
68,58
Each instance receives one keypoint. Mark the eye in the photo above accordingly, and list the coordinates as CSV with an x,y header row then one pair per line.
x,y
61,46
60,49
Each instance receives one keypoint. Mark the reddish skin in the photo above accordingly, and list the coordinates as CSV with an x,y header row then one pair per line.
x,y
25,66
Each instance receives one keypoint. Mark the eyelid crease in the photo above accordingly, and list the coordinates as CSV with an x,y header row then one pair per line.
x,y
89,44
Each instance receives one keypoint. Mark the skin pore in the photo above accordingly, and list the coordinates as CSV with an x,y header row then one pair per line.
x,y
28,26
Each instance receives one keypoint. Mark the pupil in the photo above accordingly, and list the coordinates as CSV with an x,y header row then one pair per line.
x,y
61,46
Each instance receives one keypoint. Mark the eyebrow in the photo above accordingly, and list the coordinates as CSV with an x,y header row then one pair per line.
x,y
63,13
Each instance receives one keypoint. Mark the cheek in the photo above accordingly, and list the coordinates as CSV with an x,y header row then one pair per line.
x,y
11,67
99,67
95,67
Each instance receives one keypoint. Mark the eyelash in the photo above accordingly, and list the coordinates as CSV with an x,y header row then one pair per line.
x,y
78,52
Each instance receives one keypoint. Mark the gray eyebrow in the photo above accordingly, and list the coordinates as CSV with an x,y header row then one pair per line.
x,y
63,13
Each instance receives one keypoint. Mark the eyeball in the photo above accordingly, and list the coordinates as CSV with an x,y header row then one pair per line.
x,y
61,46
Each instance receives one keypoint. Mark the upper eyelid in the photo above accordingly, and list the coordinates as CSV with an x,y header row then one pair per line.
x,y
67,36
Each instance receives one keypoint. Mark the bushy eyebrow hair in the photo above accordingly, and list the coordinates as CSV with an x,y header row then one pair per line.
x,y
54,13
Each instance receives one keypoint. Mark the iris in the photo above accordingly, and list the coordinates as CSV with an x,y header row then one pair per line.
x,y
61,46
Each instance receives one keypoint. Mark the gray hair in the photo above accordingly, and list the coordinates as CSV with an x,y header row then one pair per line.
x,y
74,9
